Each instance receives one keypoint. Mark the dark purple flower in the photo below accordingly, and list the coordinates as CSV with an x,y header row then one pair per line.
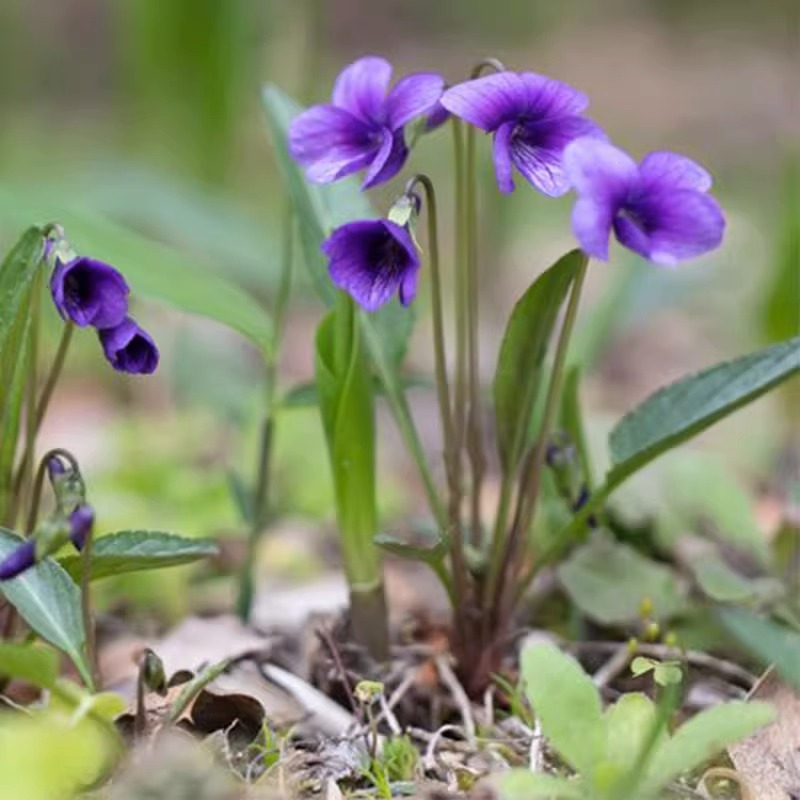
x,y
659,208
20,559
129,348
373,259
81,521
89,292
533,118
436,117
362,127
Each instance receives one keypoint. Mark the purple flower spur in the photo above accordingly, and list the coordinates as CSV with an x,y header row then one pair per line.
x,y
89,292
129,348
659,208
533,118
362,127
373,259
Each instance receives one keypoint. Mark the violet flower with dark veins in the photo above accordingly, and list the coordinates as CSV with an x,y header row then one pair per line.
x,y
659,208
89,292
373,259
533,118
20,559
129,348
362,127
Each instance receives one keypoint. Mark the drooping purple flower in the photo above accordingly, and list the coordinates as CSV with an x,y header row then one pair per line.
x,y
362,127
659,208
533,118
89,292
20,559
129,348
373,259
81,521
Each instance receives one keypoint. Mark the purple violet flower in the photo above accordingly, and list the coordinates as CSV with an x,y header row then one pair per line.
x,y
89,292
362,127
533,118
373,259
659,208
20,559
81,521
129,348
436,117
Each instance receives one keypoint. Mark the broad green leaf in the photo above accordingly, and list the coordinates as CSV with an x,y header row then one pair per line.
x,y
33,663
346,405
49,601
702,737
723,584
17,274
320,209
153,270
684,409
133,551
609,581
305,395
572,420
768,642
522,784
518,377
566,703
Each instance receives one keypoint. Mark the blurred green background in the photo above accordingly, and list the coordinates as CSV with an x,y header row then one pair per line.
x,y
144,116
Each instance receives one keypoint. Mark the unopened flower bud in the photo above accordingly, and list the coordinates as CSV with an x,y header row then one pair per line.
x,y
81,521
20,559
152,670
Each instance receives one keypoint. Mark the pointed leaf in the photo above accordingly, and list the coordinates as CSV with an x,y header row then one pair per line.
x,y
684,409
49,601
133,551
522,784
518,377
702,737
566,703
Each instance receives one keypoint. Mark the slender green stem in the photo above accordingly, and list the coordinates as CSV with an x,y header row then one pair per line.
x,y
37,417
501,583
451,453
86,609
258,511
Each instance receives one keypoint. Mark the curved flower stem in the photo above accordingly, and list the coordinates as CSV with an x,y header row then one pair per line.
x,y
244,600
37,416
86,610
451,453
38,483
502,583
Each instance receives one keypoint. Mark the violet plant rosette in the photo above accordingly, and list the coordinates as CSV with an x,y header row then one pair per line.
x,y
659,208
532,118
372,260
362,128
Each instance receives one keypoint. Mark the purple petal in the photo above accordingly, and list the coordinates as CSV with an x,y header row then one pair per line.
x,y
361,87
502,157
591,223
371,260
89,292
599,170
671,226
80,523
388,161
413,96
525,97
436,117
129,348
408,287
537,150
665,169
20,559
331,143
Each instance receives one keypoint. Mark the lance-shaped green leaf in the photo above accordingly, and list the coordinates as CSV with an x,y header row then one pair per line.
x,y
686,408
348,416
133,551
49,601
320,209
518,378
17,276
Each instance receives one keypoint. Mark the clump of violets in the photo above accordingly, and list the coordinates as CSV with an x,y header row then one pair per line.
x,y
90,293
363,127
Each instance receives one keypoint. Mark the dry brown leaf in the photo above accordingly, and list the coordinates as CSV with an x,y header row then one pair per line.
x,y
769,760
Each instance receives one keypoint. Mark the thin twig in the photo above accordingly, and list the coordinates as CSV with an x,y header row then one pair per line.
x,y
612,668
330,646
459,696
